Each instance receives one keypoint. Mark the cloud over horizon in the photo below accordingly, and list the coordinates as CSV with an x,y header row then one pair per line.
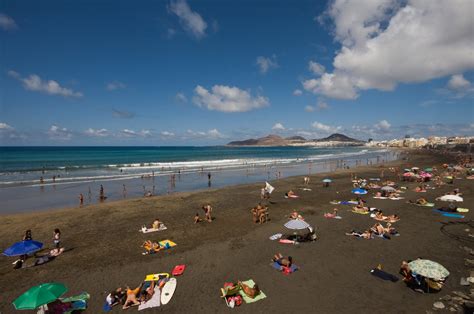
x,y
50,87
191,21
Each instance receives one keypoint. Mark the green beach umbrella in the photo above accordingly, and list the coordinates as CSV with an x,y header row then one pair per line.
x,y
428,169
39,295
428,269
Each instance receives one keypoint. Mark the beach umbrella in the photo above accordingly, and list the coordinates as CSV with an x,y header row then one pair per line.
x,y
268,187
451,198
359,191
406,170
415,168
388,189
297,224
327,180
23,247
428,269
39,295
428,169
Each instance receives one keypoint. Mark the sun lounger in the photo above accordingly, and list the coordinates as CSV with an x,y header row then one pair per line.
x,y
248,299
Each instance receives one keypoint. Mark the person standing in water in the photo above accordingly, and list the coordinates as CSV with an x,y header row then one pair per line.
x,y
81,200
124,192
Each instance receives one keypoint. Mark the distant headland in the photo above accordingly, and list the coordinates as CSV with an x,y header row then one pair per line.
x,y
335,139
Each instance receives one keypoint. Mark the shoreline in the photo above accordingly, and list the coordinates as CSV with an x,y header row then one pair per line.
x,y
29,198
104,251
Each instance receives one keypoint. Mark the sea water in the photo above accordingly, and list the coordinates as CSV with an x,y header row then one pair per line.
x,y
34,178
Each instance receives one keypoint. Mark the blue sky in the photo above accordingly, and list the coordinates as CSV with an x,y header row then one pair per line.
x,y
208,72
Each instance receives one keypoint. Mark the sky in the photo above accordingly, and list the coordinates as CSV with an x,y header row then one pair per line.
x,y
182,72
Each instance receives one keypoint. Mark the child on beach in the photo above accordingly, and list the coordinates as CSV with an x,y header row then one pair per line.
x,y
197,218
56,238
27,236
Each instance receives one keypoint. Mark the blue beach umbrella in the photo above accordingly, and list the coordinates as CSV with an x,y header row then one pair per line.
x,y
327,180
23,247
359,191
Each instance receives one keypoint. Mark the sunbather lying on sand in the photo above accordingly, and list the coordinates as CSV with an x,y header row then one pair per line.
x,y
331,215
290,193
295,215
360,209
151,247
132,297
391,218
420,201
367,234
148,293
283,261
115,297
380,230
250,292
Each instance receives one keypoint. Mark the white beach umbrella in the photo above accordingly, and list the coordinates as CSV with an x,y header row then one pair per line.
x,y
388,188
451,198
297,224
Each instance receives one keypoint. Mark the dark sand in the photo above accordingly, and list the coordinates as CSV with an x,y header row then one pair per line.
x,y
105,252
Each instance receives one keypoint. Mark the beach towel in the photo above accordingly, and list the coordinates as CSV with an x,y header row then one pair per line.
x,y
155,277
155,300
383,275
359,212
248,299
284,269
291,196
305,189
329,215
148,230
286,241
276,236
425,205
448,214
462,210
348,202
167,244
178,270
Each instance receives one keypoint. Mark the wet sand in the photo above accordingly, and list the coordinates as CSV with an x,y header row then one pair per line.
x,y
104,250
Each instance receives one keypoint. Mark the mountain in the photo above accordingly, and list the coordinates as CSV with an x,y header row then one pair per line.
x,y
336,137
275,140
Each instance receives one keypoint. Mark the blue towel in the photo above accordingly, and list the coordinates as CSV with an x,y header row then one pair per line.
x,y
277,266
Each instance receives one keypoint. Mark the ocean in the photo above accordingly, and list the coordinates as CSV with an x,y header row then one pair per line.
x,y
38,177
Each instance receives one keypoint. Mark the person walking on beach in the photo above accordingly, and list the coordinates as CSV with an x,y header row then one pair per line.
x,y
41,180
57,238
89,194
124,192
101,193
207,211
81,200
209,176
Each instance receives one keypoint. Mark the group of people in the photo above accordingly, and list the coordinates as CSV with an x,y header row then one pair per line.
x,y
260,213
207,208
129,297
40,259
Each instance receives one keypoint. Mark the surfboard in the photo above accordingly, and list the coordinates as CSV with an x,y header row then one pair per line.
x,y
453,215
168,290
462,210
155,277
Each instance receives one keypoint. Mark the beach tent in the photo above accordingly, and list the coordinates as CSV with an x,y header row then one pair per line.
x,y
23,247
39,295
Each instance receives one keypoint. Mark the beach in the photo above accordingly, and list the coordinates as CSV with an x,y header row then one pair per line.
x,y
103,246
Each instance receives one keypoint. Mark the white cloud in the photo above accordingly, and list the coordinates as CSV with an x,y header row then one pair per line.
x,y
322,105
325,128
266,63
278,127
96,132
458,82
7,23
132,133
115,85
297,92
309,108
316,68
383,125
180,97
4,126
211,134
191,21
385,43
55,132
166,134
227,99
35,83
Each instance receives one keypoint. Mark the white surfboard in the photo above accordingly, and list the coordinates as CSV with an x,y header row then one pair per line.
x,y
168,290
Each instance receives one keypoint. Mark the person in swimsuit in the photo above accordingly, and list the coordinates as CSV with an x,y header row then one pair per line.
x,y
250,292
57,238
282,261
207,210
132,297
